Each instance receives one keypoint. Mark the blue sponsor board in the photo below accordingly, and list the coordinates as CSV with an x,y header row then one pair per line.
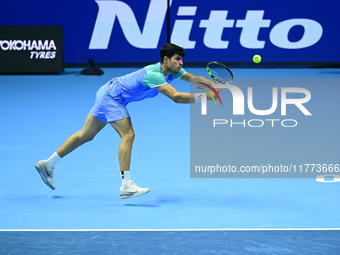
x,y
127,31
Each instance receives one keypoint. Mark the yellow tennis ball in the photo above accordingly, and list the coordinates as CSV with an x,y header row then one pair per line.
x,y
257,59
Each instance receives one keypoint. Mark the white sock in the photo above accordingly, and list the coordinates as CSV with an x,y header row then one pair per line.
x,y
125,175
53,160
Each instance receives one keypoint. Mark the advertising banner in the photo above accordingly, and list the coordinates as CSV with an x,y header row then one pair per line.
x,y
126,31
31,49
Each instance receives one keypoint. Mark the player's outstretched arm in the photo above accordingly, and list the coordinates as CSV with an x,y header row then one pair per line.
x,y
174,95
181,97
200,82
197,80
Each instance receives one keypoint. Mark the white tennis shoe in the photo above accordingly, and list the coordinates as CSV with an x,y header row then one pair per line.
x,y
45,173
132,190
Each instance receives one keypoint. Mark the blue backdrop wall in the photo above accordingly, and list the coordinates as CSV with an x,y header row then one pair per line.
x,y
129,31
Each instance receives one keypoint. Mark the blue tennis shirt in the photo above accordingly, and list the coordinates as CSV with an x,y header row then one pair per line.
x,y
141,84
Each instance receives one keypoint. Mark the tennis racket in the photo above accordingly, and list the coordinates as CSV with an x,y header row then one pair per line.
x,y
219,72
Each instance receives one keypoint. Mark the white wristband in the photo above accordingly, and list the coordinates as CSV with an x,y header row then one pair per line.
x,y
198,97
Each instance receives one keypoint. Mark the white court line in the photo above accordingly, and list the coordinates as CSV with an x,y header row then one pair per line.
x,y
155,230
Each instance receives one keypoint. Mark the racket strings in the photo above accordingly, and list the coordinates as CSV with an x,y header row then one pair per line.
x,y
219,72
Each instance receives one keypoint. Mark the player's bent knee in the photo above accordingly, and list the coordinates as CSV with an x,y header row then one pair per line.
x,y
129,137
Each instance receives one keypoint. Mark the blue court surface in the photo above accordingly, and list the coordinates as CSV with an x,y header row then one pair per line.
x,y
181,215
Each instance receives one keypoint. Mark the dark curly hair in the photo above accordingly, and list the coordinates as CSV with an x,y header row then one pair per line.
x,y
170,50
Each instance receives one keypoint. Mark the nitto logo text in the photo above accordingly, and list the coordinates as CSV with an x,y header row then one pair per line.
x,y
215,25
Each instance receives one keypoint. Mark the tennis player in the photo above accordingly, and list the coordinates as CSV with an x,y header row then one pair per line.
x,y
110,107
